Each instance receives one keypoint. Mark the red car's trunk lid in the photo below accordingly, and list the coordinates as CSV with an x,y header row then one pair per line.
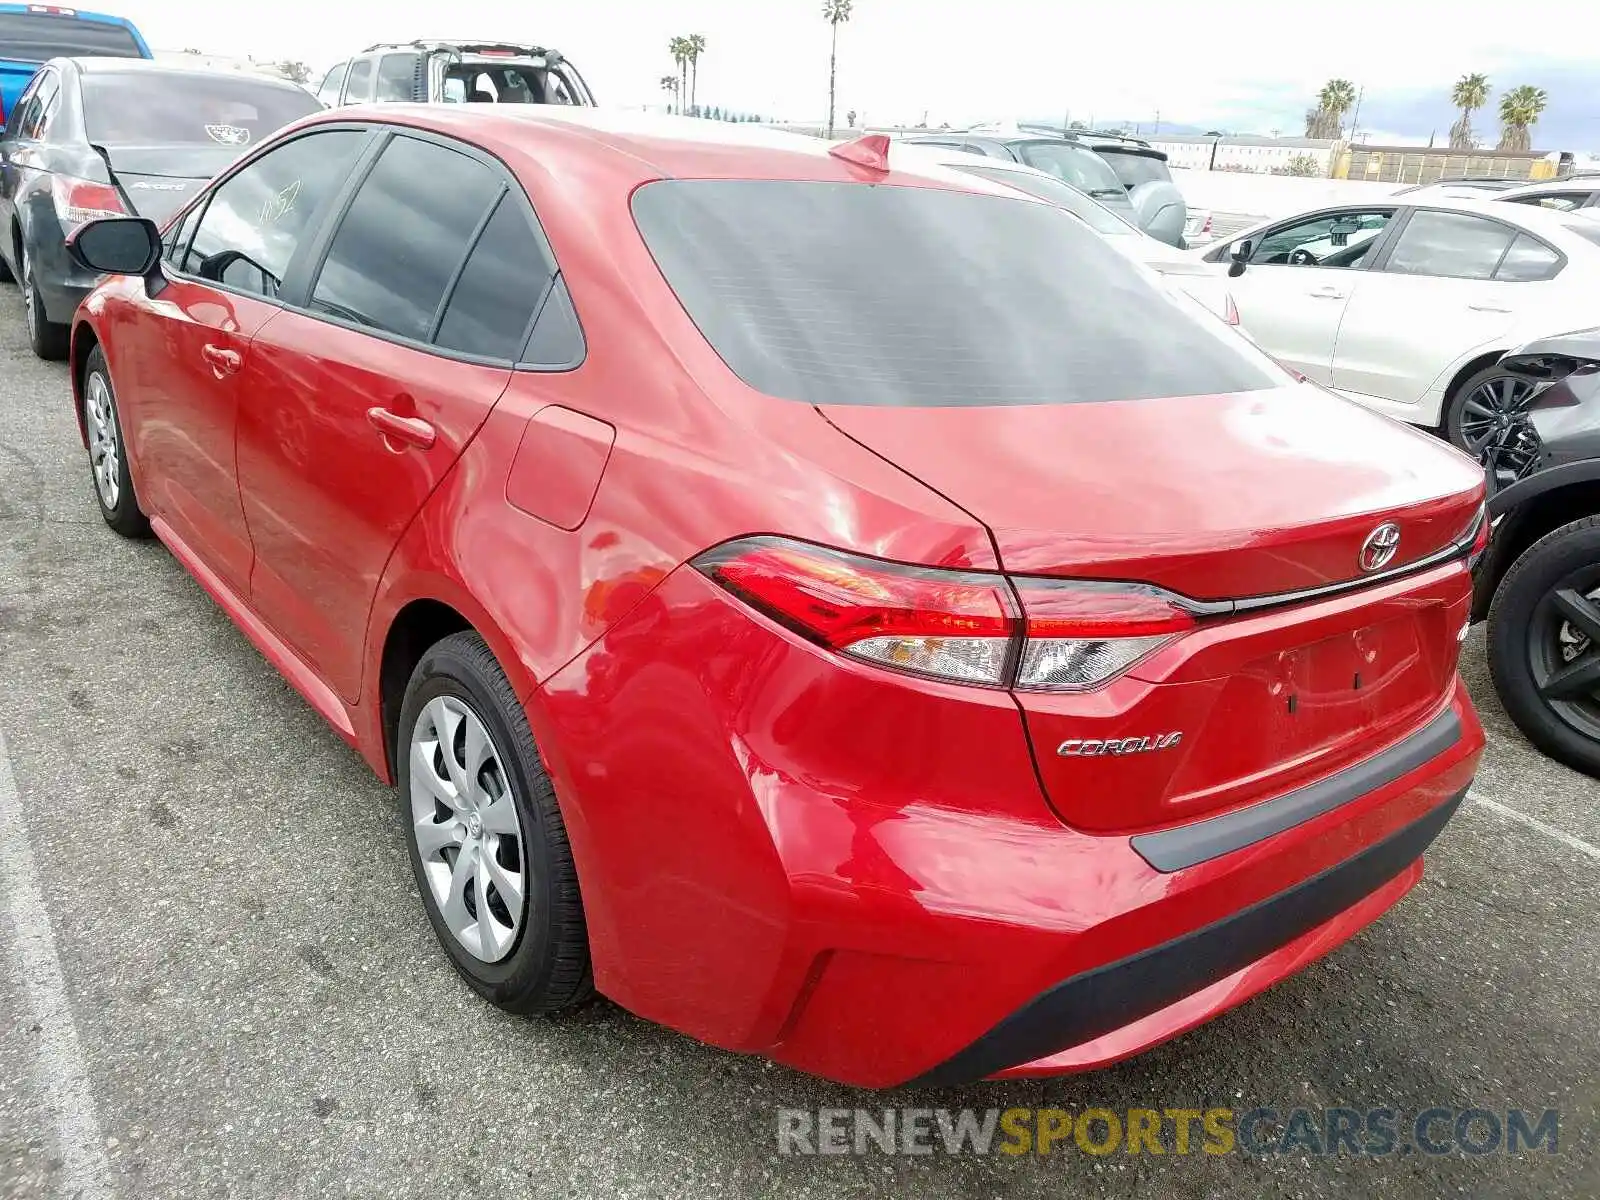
x,y
1217,498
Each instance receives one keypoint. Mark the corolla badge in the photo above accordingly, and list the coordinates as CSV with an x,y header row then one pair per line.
x,y
1380,547
228,135
1095,747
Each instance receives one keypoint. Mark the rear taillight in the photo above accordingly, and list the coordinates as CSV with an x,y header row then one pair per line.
x,y
964,627
79,201
1479,531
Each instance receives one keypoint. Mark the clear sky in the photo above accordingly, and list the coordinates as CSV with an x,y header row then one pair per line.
x,y
1246,64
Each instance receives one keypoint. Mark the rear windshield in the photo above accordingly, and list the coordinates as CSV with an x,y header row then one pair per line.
x,y
511,83
840,293
1134,169
1047,187
35,37
1077,165
163,108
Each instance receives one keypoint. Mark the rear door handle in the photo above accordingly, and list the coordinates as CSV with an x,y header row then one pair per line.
x,y
223,362
1328,294
1487,308
413,431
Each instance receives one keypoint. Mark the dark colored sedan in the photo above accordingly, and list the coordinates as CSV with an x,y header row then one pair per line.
x,y
94,137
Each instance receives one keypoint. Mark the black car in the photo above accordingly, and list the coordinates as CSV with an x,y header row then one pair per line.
x,y
1539,582
93,137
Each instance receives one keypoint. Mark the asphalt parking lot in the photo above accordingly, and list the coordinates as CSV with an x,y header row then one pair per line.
x,y
216,979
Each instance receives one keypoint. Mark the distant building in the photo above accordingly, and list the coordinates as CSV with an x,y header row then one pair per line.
x,y
1244,152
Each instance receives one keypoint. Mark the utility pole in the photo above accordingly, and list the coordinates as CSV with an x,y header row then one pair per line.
x,y
1157,130
1355,118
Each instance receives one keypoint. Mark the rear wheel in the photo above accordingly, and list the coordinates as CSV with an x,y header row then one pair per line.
x,y
1487,416
108,462
1544,644
48,339
487,842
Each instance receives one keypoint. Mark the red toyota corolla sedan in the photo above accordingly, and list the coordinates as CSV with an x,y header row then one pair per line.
x,y
847,614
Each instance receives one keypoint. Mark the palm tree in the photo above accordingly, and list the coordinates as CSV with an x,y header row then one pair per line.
x,y
1519,112
835,13
1470,93
679,49
1335,99
694,46
669,84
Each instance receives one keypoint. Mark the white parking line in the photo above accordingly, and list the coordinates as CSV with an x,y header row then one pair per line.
x,y
1550,831
60,1076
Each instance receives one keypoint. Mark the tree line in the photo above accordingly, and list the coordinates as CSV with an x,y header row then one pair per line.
x,y
1520,109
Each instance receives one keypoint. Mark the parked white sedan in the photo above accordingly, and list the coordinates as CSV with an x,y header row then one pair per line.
x,y
1407,307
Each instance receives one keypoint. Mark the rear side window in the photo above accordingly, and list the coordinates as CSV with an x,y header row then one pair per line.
x,y
1081,167
1528,259
837,293
1452,245
1559,201
400,245
492,304
359,90
256,221
190,109
35,37
397,79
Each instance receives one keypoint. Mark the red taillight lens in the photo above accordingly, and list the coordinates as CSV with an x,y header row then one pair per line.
x,y
947,624
965,627
1480,532
1230,311
79,201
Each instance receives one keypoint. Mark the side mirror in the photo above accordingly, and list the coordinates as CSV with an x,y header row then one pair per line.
x,y
116,246
1239,257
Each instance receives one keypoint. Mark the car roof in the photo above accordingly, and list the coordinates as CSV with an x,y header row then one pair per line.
x,y
554,140
1570,183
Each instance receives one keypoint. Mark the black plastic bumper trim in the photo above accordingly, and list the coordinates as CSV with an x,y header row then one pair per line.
x,y
1096,1002
1201,841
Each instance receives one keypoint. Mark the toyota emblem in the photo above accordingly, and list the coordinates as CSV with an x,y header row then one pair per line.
x,y
1380,547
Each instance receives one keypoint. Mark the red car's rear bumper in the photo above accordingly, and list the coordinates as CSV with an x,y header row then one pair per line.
x,y
788,854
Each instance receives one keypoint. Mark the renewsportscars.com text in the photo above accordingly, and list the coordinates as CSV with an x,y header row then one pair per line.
x,y
1372,1132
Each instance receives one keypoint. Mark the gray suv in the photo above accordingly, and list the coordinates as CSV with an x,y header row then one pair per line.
x,y
455,73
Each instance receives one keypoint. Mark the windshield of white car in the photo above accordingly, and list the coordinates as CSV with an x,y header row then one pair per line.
x,y
1063,195
847,293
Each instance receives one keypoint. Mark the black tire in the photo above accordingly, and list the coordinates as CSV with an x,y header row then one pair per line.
x,y
49,340
1450,422
1520,621
548,968
122,513
5,272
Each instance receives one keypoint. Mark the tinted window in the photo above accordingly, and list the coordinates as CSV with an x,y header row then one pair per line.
x,y
1047,187
1083,169
1528,259
359,89
35,37
257,219
397,78
184,108
511,83
837,293
40,109
557,338
332,85
399,247
1457,245
1134,169
493,302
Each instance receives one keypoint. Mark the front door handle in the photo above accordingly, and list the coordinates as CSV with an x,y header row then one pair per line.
x,y
223,362
1494,308
413,431
1328,294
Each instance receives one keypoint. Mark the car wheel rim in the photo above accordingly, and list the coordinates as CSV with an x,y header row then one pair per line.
x,y
1494,427
468,834
1564,650
27,295
105,451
